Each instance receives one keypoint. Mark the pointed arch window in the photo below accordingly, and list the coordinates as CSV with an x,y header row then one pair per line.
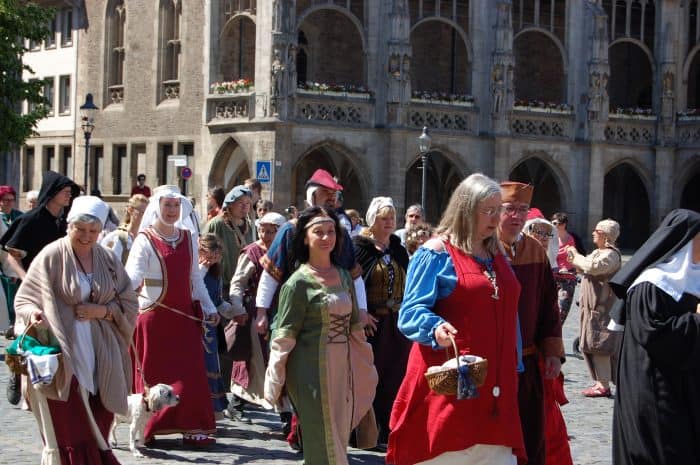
x,y
115,53
170,14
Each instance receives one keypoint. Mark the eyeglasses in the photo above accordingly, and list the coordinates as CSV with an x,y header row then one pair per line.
x,y
511,210
556,223
492,211
7,199
599,231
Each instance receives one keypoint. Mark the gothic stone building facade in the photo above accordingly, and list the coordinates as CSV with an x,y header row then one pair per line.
x,y
593,101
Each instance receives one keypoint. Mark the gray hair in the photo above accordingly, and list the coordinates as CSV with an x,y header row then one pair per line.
x,y
416,207
610,228
85,219
461,215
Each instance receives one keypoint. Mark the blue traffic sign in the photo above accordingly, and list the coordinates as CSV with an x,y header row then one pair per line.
x,y
263,171
186,173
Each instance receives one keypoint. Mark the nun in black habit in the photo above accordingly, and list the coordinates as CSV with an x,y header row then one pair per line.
x,y
657,404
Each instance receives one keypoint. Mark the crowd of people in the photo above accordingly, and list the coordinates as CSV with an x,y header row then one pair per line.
x,y
333,319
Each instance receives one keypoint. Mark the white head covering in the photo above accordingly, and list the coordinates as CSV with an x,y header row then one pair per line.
x,y
89,205
375,205
187,219
272,218
676,276
552,245
611,228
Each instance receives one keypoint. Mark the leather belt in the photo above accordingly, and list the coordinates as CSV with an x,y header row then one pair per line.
x,y
529,350
152,282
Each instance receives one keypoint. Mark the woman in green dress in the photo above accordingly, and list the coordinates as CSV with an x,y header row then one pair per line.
x,y
318,346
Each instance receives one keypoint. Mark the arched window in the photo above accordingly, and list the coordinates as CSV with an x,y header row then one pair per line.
x,y
440,59
631,76
633,19
115,53
302,58
238,49
170,13
539,68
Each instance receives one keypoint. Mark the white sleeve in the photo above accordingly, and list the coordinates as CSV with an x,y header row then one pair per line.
x,y
139,256
360,293
111,241
199,290
276,373
267,286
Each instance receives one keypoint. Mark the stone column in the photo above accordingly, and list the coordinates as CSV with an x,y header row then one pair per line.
x,y
502,71
663,188
398,65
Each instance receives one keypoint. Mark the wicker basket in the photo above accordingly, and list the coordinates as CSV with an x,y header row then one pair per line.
x,y
445,381
17,363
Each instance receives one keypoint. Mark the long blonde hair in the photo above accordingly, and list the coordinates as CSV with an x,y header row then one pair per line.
x,y
134,201
459,220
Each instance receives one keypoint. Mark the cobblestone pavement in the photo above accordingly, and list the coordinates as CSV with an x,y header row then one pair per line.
x,y
588,420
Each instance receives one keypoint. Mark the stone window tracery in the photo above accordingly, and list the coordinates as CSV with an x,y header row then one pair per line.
x,y
170,14
456,11
632,19
116,51
549,15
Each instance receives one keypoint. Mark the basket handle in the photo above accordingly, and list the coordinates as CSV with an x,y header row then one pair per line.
x,y
24,333
454,347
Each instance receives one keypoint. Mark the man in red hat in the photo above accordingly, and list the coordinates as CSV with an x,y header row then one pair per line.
x,y
321,190
538,311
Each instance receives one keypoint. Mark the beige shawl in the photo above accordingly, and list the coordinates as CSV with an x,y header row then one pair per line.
x,y
52,285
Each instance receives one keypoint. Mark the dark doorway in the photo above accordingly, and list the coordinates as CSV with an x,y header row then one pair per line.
x,y
546,196
443,179
626,201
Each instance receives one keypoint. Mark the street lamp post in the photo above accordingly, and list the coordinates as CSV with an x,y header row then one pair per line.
x,y
87,117
424,147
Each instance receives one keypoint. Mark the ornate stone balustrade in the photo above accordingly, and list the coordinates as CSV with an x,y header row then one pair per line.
x,y
230,108
549,124
459,117
631,131
688,132
339,110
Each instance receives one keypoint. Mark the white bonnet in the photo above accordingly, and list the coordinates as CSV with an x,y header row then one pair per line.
x,y
377,204
272,218
89,205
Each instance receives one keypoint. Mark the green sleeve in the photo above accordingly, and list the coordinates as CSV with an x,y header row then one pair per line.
x,y
291,309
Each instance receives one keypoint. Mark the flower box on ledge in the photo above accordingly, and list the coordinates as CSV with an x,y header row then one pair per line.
x,y
461,103
335,93
557,111
632,116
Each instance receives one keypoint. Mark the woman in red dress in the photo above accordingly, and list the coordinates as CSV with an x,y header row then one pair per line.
x,y
460,286
168,338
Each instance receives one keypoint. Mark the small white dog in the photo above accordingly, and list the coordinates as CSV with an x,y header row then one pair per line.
x,y
141,409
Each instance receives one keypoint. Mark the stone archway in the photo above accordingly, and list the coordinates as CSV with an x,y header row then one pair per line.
x,y
237,59
547,195
336,161
690,195
693,97
625,200
631,76
443,179
539,67
334,51
230,166
441,61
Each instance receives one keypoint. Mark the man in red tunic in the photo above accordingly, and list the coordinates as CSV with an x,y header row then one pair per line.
x,y
540,325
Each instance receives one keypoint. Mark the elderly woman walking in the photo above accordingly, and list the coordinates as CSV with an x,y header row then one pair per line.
x,y
78,297
384,261
598,344
163,264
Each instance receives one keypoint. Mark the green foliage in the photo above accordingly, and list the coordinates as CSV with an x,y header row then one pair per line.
x,y
19,20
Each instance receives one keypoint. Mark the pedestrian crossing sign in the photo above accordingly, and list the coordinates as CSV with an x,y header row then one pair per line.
x,y
263,171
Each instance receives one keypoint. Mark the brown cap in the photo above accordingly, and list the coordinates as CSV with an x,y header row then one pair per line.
x,y
512,191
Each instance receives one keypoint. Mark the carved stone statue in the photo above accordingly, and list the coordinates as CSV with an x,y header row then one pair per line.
x,y
498,88
668,84
277,82
406,66
394,66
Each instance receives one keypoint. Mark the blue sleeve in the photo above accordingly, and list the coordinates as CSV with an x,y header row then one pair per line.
x,y
431,276
275,261
519,346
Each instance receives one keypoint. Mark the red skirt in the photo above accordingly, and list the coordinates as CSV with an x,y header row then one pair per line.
x,y
169,347
76,443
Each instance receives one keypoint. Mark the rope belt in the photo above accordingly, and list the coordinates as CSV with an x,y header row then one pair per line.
x,y
339,329
175,310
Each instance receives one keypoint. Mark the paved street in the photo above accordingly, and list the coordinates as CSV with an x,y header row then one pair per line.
x,y
588,421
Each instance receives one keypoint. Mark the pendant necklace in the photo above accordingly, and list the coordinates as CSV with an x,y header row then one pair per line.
x,y
489,273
